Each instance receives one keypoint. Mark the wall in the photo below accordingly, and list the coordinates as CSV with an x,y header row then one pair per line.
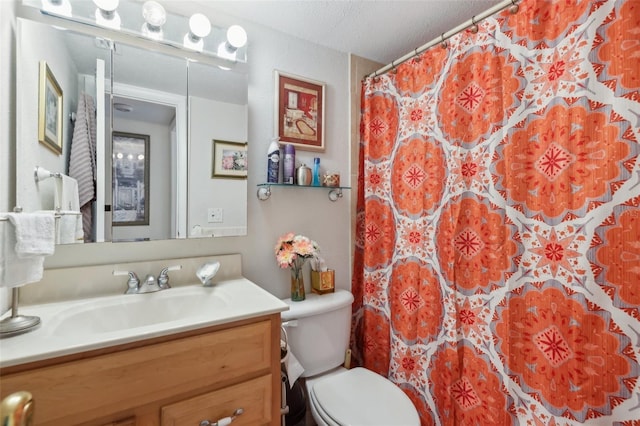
x,y
7,116
159,178
306,211
226,122
41,43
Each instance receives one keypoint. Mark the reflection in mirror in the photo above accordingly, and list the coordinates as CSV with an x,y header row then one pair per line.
x,y
154,85
74,60
151,105
218,110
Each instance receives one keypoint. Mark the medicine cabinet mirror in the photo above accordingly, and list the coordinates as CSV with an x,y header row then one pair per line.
x,y
180,105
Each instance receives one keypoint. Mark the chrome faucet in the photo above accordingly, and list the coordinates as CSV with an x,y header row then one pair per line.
x,y
150,284
163,278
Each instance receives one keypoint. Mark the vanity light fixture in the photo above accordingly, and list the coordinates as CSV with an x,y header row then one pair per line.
x,y
236,38
152,22
154,16
199,27
107,14
58,7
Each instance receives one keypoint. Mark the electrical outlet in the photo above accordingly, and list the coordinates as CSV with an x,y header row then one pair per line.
x,y
215,215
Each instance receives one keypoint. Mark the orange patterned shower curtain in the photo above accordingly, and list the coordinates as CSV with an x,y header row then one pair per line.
x,y
497,263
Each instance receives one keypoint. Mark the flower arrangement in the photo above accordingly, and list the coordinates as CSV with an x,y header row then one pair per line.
x,y
291,252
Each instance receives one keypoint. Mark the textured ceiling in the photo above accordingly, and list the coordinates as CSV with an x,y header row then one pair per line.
x,y
379,30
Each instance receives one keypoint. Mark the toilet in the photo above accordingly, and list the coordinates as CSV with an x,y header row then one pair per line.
x,y
318,331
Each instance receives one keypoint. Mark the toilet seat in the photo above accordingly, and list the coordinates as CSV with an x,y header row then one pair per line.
x,y
362,397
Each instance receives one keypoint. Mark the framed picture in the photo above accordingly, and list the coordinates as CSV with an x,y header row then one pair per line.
x,y
229,160
130,179
300,111
49,110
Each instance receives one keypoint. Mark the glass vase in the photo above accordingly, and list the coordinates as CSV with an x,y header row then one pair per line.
x,y
297,285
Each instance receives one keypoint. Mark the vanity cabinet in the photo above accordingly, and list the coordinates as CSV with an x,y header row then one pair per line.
x,y
181,379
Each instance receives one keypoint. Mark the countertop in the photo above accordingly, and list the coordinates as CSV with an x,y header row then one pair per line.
x,y
76,326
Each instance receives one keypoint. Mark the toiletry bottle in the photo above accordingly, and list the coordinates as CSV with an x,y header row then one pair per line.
x,y
316,172
289,164
273,161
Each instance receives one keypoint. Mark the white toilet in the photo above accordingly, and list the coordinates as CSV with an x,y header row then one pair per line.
x,y
318,330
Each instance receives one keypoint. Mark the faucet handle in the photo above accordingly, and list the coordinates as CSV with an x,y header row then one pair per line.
x,y
133,283
163,278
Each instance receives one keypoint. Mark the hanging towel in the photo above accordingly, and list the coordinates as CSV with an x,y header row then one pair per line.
x,y
34,232
70,227
15,270
82,160
68,197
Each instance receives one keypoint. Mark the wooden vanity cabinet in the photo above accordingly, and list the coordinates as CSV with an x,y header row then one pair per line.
x,y
174,380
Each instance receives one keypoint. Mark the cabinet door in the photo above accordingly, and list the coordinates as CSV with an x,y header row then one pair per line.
x,y
253,396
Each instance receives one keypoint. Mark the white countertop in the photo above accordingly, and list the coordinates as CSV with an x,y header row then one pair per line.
x,y
76,326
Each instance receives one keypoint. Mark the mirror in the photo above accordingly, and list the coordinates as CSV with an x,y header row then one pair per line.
x,y
179,106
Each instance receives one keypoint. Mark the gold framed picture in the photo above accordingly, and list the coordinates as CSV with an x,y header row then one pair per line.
x,y
229,160
49,110
300,111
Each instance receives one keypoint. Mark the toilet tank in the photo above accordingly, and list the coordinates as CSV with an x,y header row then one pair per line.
x,y
318,330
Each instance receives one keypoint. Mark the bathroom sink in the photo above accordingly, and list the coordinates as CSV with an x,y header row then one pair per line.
x,y
126,312
75,326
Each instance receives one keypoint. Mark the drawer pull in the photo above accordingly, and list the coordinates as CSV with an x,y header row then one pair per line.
x,y
223,421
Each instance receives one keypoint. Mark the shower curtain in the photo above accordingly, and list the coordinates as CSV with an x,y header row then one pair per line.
x,y
497,263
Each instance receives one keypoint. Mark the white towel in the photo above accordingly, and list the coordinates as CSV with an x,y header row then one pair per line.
x,y
14,271
34,233
67,188
70,227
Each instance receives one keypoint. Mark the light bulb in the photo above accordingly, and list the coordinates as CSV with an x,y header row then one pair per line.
x,y
154,14
107,5
199,25
106,14
237,36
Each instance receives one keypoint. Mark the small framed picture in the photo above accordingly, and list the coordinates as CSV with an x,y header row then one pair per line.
x,y
130,179
49,110
229,160
300,111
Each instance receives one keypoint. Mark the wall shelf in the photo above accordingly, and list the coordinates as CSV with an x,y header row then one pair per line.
x,y
264,190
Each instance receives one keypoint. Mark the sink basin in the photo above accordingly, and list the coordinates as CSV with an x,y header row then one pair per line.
x,y
75,326
126,312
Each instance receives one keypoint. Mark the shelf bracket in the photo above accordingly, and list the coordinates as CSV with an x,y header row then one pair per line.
x,y
334,194
264,192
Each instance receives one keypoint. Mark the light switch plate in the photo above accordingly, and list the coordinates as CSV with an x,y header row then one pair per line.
x,y
215,215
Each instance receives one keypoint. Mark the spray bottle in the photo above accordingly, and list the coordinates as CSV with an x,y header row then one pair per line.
x,y
289,167
273,161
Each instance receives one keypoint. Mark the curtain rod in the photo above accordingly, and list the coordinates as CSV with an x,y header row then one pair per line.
x,y
445,36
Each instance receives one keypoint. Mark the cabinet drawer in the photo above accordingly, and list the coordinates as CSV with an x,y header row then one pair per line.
x,y
79,391
253,396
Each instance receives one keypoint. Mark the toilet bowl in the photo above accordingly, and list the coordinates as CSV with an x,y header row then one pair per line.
x,y
318,330
359,397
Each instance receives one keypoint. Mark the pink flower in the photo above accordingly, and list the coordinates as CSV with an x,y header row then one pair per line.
x,y
292,250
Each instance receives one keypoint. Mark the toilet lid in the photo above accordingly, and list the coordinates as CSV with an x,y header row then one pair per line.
x,y
362,397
